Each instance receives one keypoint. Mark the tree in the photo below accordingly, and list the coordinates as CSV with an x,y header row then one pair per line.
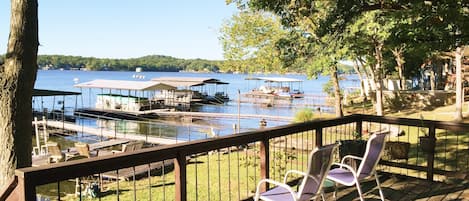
x,y
17,77
317,53
371,30
249,40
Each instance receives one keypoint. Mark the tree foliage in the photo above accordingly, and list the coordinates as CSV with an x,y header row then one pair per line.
x,y
249,41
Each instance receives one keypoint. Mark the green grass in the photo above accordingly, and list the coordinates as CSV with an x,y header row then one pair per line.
x,y
216,176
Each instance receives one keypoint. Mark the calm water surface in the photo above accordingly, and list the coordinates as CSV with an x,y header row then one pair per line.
x,y
64,80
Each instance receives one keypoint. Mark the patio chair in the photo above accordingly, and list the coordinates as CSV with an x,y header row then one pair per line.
x,y
83,149
319,163
348,176
55,152
131,146
138,145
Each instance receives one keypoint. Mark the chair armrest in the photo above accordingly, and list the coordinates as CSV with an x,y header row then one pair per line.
x,y
281,185
349,168
116,151
293,171
351,157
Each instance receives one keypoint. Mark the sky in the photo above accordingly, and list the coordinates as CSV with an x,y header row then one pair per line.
x,y
127,28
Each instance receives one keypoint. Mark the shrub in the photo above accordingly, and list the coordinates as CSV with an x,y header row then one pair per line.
x,y
303,115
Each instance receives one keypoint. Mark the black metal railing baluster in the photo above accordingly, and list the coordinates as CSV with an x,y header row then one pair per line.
x,y
239,183
229,173
219,175
208,176
117,180
134,183
149,181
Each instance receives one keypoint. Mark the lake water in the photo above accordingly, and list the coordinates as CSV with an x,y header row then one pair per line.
x,y
64,80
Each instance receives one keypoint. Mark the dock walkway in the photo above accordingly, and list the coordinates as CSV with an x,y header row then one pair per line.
x,y
217,115
109,133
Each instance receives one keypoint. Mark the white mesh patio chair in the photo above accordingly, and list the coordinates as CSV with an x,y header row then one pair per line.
x,y
319,163
348,176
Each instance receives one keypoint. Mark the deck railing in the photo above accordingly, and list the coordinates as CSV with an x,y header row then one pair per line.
x,y
229,167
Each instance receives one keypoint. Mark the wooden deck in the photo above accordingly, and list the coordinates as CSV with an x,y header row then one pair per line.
x,y
405,189
109,133
39,160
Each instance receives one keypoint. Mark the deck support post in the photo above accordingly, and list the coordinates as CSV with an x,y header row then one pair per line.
x,y
358,127
318,137
180,175
431,154
264,162
19,190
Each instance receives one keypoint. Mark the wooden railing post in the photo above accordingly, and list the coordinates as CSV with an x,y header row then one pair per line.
x,y
19,189
318,137
431,154
264,160
180,175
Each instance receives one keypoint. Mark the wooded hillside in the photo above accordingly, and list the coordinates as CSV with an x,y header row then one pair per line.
x,y
147,63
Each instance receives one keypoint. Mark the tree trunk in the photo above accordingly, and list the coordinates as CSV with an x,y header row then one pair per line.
x,y
397,52
360,77
369,75
459,95
379,80
337,97
17,78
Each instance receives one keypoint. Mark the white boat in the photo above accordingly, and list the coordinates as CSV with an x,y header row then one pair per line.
x,y
276,87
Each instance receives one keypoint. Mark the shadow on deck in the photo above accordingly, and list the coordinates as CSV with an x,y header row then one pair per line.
x,y
405,188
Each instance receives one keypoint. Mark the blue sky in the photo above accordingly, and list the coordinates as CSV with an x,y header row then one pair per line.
x,y
127,28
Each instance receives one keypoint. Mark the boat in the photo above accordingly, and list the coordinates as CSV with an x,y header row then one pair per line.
x,y
276,87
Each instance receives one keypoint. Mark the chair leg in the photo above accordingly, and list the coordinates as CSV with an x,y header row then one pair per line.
x,y
379,187
335,192
359,191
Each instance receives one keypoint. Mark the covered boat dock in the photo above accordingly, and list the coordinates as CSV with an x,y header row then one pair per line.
x,y
203,95
139,96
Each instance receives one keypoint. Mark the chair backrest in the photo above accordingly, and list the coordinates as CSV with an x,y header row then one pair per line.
x,y
83,149
319,164
128,147
54,148
374,150
138,145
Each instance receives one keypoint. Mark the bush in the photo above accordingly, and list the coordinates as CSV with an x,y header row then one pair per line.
x,y
303,115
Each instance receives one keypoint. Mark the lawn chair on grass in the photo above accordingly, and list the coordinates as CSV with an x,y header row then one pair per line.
x,y
319,163
346,175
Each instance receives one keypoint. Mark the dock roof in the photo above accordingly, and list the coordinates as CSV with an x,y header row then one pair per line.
x,y
187,81
47,92
275,79
126,85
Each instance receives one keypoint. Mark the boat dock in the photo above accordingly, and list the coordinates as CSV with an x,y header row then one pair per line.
x,y
142,115
109,133
216,115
